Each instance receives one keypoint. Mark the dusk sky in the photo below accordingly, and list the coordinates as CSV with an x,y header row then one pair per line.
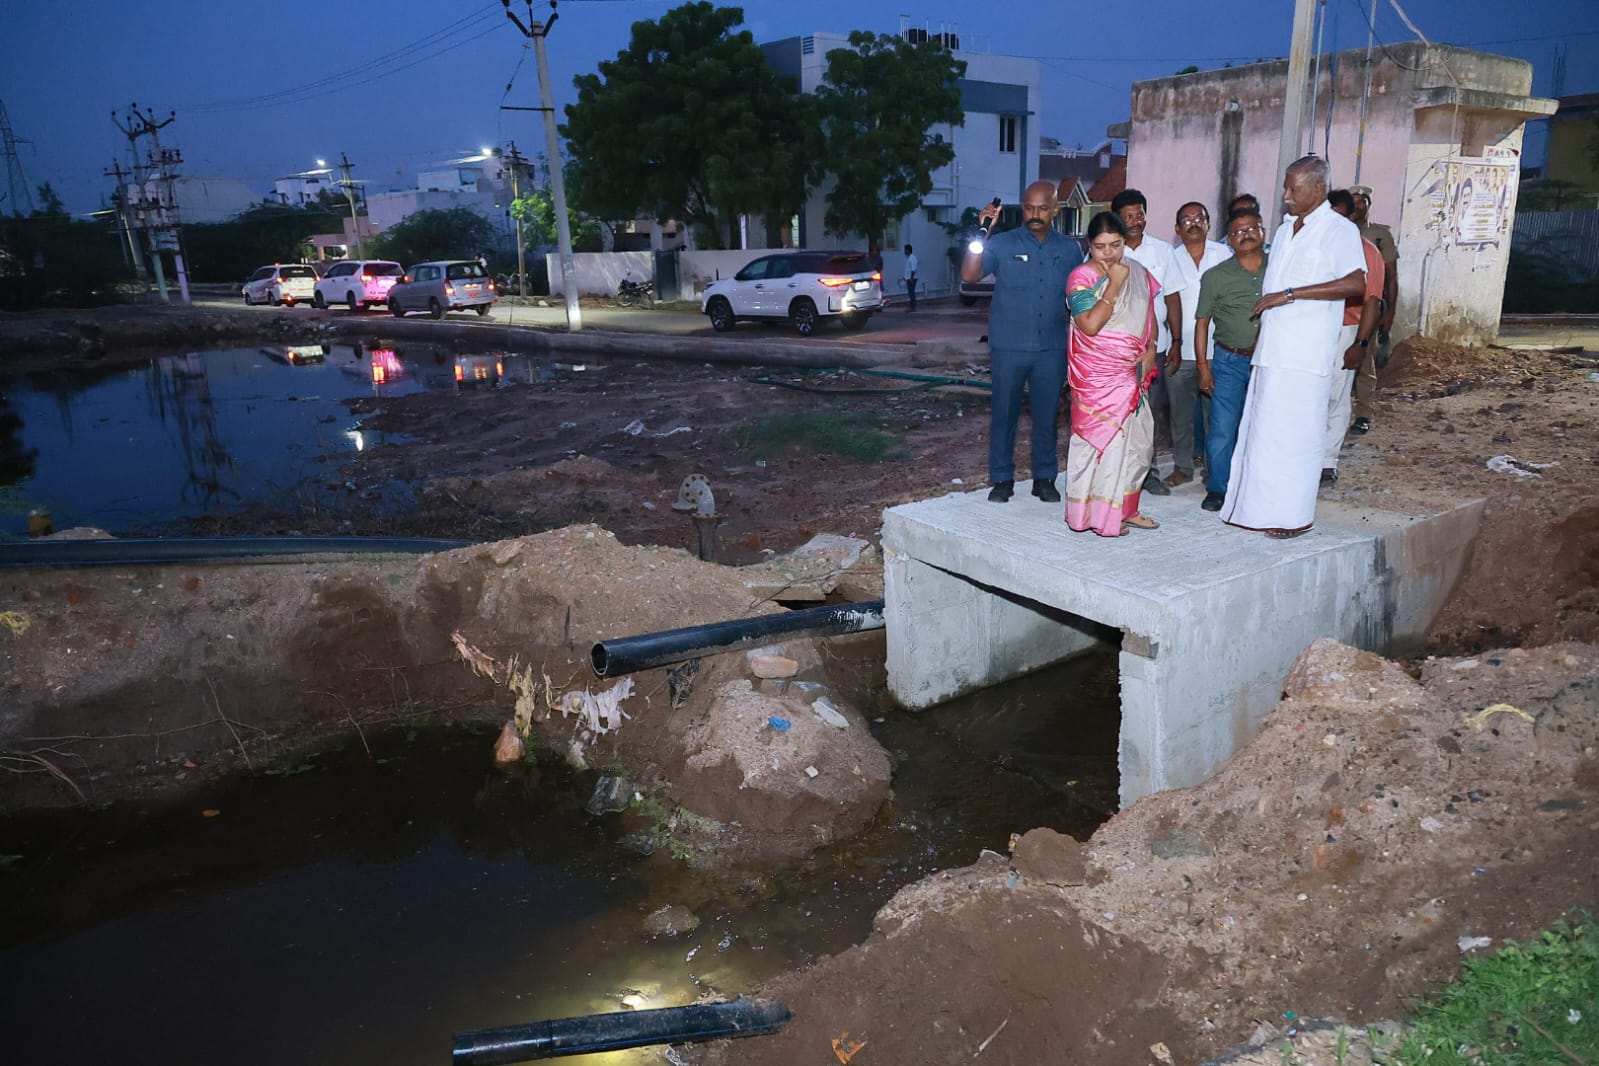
x,y
263,90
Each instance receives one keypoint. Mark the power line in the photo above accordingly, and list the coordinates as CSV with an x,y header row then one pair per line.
x,y
383,66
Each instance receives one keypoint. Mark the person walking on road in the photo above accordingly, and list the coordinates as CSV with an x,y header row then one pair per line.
x,y
910,275
1315,265
1026,335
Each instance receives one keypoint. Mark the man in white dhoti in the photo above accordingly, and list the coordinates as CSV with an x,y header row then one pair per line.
x,y
1316,264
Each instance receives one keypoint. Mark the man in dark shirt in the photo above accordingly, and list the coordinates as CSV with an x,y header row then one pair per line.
x,y
1228,292
1026,336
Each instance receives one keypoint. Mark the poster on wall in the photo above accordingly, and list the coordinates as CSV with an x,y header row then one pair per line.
x,y
1476,200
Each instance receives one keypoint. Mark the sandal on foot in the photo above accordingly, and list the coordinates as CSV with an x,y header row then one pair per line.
x,y
1141,521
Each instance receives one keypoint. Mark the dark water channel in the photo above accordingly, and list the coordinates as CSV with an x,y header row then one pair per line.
x,y
147,447
355,907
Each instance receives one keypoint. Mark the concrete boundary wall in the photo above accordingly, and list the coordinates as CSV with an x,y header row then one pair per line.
x,y
1210,618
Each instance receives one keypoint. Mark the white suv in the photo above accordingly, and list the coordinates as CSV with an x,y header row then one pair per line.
x,y
279,284
802,287
357,283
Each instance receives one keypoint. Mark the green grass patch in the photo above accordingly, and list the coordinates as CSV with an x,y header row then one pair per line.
x,y
1529,1004
851,435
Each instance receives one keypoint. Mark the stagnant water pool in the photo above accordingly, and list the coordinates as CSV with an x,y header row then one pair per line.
x,y
143,448
363,904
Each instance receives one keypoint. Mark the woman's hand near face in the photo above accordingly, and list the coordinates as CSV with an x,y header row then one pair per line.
x,y
1117,272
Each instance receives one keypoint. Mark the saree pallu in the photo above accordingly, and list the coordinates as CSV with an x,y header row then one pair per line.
x,y
1112,439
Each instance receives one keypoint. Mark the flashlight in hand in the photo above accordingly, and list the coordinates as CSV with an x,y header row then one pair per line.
x,y
976,247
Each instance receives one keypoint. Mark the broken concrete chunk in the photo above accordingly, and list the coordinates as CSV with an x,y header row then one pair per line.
x,y
828,713
611,793
1180,843
671,920
508,749
811,572
774,686
773,666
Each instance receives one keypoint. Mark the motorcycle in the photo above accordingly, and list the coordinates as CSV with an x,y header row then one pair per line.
x,y
632,293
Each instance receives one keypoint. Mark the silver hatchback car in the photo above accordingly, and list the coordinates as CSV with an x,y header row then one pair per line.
x,y
448,285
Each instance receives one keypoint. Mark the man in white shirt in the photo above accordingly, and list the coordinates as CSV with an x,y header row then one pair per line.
x,y
1316,264
1193,254
1156,257
909,275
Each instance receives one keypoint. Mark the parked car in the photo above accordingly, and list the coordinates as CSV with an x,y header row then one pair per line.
x,y
358,283
803,287
452,285
279,284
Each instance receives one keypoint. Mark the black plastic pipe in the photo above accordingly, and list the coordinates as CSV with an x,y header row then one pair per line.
x,y
165,551
625,655
615,1032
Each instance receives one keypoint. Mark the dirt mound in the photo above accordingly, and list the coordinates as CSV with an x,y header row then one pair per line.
x,y
130,679
1328,871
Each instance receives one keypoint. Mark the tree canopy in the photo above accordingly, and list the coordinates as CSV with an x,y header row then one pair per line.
x,y
690,121
879,103
453,233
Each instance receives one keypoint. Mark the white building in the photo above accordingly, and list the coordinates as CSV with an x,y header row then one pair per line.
x,y
996,154
484,189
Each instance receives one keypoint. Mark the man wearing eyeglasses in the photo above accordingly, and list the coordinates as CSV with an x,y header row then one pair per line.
x,y
1195,254
1225,331
1157,257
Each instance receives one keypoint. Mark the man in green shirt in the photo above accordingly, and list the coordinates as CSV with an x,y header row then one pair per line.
x,y
1228,293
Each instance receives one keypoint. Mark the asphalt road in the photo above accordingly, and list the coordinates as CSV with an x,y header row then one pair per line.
x,y
933,320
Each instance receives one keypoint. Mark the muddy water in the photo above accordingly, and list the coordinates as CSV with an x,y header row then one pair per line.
x,y
145,448
356,906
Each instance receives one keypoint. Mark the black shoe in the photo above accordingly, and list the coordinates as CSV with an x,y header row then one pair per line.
x,y
1329,477
1046,490
1154,485
1002,492
1360,425
1213,501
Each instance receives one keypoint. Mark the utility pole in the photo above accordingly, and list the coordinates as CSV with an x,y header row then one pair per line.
x,y
1365,85
14,176
119,202
516,194
1291,146
349,185
537,31
163,207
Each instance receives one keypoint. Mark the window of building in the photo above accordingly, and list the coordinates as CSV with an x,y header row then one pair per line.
x,y
1007,133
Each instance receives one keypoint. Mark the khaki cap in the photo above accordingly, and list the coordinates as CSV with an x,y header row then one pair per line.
x,y
1360,190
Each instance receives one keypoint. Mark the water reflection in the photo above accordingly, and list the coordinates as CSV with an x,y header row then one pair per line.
x,y
152,446
357,907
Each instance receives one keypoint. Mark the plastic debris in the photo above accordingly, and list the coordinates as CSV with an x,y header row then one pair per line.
x,y
1161,1052
811,771
779,723
601,711
1472,943
1479,721
845,1048
15,621
1507,464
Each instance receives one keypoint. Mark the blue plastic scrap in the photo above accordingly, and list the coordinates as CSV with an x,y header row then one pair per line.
x,y
778,723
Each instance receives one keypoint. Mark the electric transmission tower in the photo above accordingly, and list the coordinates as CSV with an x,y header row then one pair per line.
x,y
20,194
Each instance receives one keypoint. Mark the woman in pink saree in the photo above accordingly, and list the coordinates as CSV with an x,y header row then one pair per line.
x,y
1110,361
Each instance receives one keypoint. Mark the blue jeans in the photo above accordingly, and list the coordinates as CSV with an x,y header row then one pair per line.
x,y
1044,374
1230,373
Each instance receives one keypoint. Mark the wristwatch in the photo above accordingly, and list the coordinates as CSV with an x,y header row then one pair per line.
x,y
1289,294
1364,342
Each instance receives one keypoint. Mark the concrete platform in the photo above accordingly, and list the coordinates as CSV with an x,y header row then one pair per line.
x,y
1209,618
